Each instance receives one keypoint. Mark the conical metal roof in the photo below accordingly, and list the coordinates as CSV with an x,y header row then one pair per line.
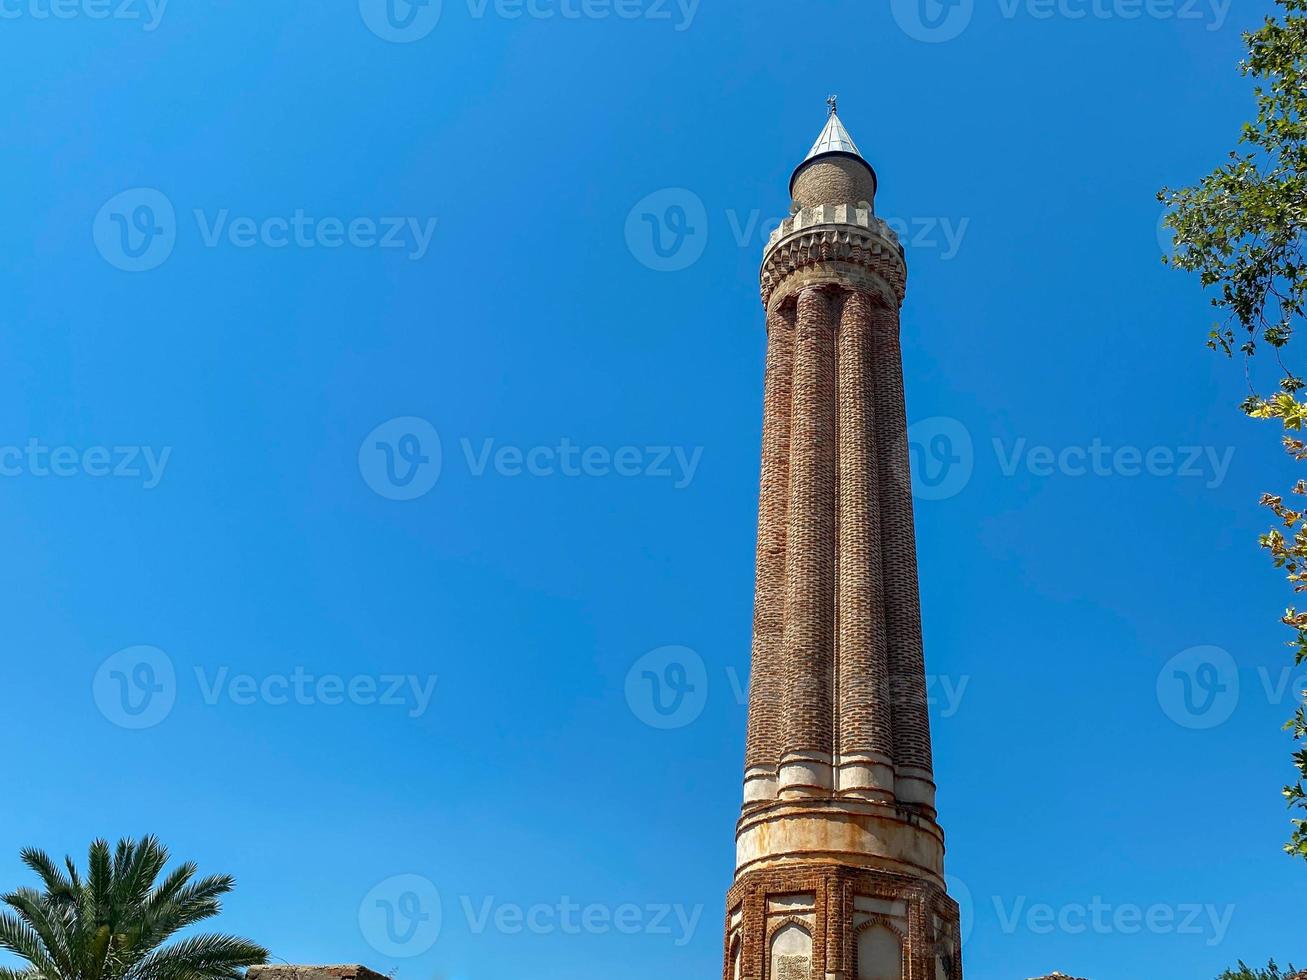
x,y
833,141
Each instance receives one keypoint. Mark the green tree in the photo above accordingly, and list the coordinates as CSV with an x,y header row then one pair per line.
x,y
113,923
1241,229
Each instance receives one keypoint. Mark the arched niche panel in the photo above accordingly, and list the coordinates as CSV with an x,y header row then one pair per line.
x,y
880,952
791,954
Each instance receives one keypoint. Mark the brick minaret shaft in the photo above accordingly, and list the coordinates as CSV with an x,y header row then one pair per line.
x,y
839,799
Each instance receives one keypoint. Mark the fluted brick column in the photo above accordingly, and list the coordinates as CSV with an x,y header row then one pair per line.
x,y
837,915
914,778
838,834
810,552
866,765
767,675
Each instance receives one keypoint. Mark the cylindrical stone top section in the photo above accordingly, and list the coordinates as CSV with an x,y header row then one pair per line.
x,y
834,179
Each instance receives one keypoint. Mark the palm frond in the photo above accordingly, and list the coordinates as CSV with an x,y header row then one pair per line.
x,y
113,922
46,921
73,875
99,881
55,881
173,882
144,860
207,955
20,940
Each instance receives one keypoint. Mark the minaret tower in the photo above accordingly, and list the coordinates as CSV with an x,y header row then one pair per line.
x,y
840,860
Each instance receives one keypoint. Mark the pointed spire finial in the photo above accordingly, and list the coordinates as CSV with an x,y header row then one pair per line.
x,y
834,139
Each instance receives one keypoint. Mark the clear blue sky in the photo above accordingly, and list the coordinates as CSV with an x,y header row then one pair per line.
x,y
244,538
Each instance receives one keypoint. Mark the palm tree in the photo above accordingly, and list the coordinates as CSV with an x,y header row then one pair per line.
x,y
112,925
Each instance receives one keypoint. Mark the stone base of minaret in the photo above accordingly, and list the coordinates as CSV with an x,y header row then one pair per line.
x,y
827,922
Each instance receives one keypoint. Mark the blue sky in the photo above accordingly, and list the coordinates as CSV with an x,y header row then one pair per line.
x,y
243,239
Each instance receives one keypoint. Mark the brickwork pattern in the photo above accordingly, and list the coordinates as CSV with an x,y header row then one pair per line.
x,y
840,802
344,971
864,710
810,548
834,244
907,666
834,180
767,673
833,928
848,672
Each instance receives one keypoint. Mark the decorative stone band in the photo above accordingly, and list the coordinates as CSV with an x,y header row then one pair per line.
x,y
806,773
823,921
915,785
847,832
834,244
760,784
866,775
